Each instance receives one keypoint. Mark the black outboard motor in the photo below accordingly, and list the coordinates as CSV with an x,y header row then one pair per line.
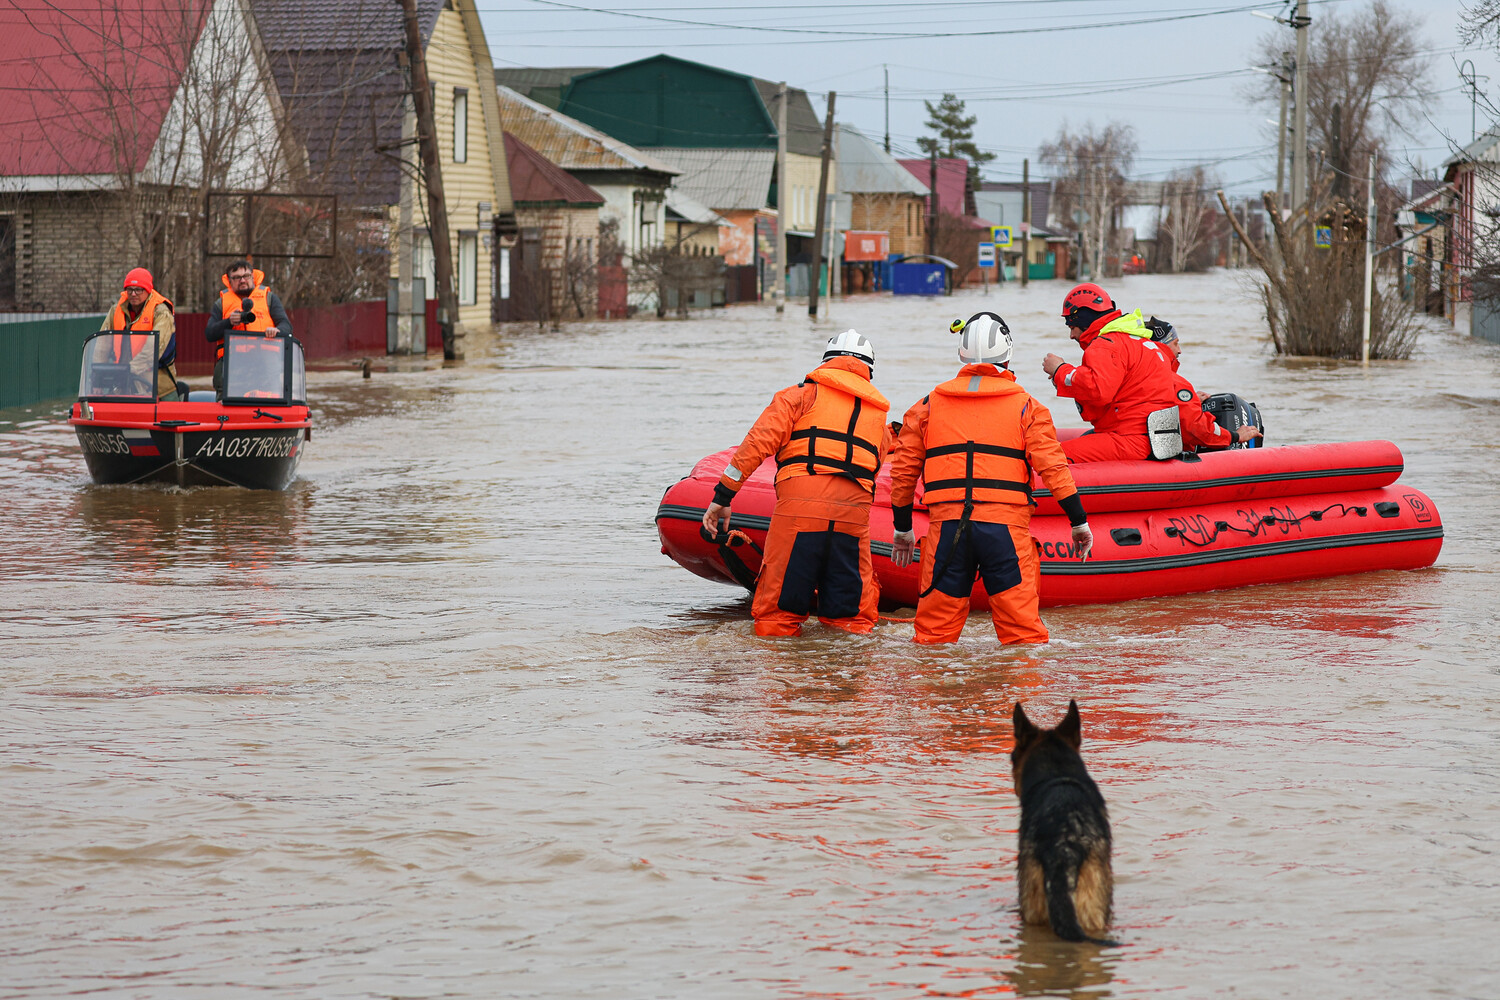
x,y
1231,413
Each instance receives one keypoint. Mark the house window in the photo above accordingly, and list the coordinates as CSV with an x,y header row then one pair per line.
x,y
468,268
460,125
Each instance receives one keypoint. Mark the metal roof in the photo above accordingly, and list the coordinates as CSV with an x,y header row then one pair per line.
x,y
804,132
68,70
723,179
692,210
1481,148
865,168
568,142
534,181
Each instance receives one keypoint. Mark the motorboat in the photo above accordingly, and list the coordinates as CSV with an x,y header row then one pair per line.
x,y
252,433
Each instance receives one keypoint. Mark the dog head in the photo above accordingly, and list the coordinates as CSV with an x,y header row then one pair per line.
x,y
1029,737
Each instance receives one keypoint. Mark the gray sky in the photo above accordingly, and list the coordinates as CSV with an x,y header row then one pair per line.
x,y
1023,86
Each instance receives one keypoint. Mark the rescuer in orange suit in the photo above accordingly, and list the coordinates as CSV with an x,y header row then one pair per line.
x,y
1199,428
140,312
1124,378
829,436
974,441
246,303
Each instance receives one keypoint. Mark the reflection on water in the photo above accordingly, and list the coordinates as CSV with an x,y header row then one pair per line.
x,y
441,720
1048,967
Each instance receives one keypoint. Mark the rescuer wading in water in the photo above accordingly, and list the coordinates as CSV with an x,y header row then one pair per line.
x,y
974,441
829,436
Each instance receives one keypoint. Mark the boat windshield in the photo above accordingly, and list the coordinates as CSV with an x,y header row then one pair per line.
x,y
119,367
264,370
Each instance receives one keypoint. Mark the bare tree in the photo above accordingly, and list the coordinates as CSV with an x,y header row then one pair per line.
x,y
1091,166
1187,211
1314,295
1368,81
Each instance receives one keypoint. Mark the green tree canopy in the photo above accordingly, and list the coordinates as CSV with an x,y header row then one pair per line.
x,y
955,131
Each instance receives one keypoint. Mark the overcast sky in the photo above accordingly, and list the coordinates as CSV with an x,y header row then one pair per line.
x,y
1025,67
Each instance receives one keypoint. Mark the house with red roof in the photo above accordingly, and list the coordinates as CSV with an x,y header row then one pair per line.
x,y
552,270
958,230
119,117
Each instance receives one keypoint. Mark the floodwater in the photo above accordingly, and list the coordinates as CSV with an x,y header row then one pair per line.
x,y
440,720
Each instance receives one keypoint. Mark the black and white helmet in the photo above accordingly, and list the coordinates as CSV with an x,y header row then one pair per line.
x,y
984,339
850,344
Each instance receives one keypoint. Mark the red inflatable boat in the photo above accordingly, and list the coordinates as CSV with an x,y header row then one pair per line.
x,y
1196,523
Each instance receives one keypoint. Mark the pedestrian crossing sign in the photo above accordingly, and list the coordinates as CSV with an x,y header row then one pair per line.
x,y
1000,235
1323,237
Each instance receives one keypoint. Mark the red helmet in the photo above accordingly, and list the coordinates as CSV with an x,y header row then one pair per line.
x,y
139,278
1087,296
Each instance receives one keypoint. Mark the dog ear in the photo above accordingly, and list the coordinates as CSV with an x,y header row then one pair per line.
x,y
1025,731
1071,727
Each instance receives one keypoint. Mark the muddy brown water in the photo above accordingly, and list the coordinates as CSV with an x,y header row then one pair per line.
x,y
440,720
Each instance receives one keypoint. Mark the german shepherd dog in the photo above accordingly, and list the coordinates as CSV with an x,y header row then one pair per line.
x,y
1065,876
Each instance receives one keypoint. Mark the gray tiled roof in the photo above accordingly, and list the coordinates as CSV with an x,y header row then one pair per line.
x,y
804,132
337,72
722,179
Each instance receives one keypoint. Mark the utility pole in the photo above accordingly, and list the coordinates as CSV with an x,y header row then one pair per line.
x,y
1025,223
932,204
887,106
822,217
437,205
1364,352
1285,76
1300,21
781,195
1336,140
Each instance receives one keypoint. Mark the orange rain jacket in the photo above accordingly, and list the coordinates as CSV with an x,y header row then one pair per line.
x,y
1199,428
1123,378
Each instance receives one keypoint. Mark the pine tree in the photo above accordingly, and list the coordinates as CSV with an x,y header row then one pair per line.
x,y
955,131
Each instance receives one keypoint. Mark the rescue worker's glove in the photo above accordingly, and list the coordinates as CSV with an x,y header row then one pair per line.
x,y
903,544
1083,539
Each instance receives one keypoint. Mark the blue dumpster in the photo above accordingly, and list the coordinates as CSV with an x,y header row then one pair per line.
x,y
917,279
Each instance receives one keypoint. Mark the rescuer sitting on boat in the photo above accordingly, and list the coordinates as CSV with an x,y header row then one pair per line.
x,y
974,441
1123,387
245,304
142,311
1199,428
829,436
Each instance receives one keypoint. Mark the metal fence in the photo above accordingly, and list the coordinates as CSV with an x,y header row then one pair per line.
x,y
39,358
1484,319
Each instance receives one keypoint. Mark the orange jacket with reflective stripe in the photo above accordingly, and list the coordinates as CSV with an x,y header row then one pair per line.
x,y
840,434
978,435
120,320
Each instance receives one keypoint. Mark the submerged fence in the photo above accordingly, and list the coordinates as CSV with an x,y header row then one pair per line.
x,y
39,358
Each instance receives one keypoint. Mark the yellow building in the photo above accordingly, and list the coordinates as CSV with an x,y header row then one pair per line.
x,y
472,160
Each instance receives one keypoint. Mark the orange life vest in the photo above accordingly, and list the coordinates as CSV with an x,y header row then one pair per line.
x,y
960,468
840,434
260,301
126,348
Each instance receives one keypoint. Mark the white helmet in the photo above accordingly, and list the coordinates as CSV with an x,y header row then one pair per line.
x,y
850,344
984,339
